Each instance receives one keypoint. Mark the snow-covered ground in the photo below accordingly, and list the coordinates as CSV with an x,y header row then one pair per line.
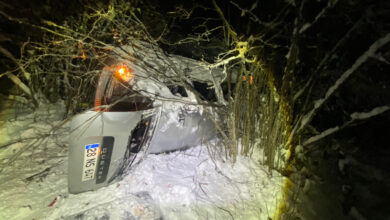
x,y
190,184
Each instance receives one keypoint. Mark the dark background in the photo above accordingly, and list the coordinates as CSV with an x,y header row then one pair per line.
x,y
365,182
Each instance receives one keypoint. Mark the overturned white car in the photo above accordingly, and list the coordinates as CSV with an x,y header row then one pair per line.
x,y
144,103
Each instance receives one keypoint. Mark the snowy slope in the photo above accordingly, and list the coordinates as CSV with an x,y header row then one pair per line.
x,y
190,184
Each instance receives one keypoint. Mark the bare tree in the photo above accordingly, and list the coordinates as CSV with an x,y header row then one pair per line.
x,y
259,99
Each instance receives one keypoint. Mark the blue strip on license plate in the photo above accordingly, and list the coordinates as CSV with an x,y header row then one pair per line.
x,y
90,146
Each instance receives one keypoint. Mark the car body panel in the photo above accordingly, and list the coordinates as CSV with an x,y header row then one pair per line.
x,y
185,126
90,128
169,130
139,115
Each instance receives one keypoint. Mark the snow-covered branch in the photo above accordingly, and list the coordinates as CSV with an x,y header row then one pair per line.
x,y
328,57
372,113
354,117
362,59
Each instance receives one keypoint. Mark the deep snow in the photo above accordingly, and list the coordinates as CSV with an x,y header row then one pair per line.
x,y
189,184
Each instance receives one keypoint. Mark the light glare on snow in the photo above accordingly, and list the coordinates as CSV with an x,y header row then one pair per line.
x,y
189,184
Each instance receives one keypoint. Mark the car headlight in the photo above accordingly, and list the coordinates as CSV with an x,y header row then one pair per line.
x,y
123,73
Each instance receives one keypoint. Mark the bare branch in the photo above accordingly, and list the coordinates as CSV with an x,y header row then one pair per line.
x,y
230,32
381,58
11,57
306,26
19,83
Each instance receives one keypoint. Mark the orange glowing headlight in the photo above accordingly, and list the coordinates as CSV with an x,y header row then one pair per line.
x,y
123,73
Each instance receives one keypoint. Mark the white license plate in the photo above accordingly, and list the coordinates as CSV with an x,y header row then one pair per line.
x,y
91,153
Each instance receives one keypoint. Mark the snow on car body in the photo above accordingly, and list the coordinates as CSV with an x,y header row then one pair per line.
x,y
136,111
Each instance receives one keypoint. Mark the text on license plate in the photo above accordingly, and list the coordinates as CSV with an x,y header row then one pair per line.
x,y
91,153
